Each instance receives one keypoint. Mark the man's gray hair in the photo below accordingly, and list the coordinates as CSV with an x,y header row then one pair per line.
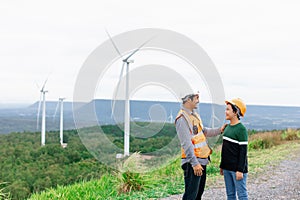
x,y
189,96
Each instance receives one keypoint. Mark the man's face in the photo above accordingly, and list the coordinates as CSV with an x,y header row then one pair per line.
x,y
194,102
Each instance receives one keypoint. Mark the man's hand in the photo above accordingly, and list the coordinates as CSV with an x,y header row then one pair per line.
x,y
221,172
198,170
223,128
239,175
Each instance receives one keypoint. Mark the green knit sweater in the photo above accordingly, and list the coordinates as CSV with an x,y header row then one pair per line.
x,y
234,148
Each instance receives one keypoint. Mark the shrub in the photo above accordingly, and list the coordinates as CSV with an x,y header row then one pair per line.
x,y
265,140
291,134
256,144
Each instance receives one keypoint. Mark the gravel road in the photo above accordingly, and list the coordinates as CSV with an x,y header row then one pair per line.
x,y
281,181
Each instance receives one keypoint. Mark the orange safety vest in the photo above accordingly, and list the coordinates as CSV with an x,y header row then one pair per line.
x,y
201,148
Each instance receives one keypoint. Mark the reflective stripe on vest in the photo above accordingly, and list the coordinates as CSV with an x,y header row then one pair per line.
x,y
201,148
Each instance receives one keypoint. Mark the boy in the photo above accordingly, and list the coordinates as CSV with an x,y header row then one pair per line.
x,y
234,164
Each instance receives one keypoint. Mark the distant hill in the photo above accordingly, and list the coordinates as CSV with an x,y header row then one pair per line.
x,y
257,117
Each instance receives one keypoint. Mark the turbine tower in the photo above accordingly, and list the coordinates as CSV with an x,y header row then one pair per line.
x,y
43,130
61,124
127,101
171,117
214,117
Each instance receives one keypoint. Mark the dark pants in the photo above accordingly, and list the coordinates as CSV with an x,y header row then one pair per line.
x,y
194,185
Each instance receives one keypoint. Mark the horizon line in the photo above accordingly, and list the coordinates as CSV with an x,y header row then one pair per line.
x,y
10,105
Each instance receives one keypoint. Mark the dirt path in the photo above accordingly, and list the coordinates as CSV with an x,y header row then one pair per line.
x,y
281,181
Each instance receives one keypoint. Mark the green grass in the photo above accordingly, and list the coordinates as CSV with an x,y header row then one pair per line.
x,y
259,159
163,182
95,189
169,180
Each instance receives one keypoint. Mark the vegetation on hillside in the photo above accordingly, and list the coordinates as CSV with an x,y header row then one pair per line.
x,y
27,168
169,180
73,173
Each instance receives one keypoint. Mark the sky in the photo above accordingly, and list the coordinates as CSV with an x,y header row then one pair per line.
x,y
254,45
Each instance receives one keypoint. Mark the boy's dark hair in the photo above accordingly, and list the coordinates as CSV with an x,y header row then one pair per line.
x,y
235,110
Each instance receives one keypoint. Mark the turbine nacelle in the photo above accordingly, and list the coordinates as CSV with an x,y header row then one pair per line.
x,y
128,61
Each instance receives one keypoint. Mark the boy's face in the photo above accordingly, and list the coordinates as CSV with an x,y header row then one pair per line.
x,y
229,112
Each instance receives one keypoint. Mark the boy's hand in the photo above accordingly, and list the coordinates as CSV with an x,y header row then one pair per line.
x,y
239,175
221,172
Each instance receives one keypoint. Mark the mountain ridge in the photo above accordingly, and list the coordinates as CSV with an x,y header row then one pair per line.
x,y
258,117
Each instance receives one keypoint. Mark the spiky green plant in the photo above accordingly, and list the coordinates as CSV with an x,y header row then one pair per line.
x,y
129,176
3,195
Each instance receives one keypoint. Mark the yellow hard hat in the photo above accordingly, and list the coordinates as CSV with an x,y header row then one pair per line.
x,y
238,103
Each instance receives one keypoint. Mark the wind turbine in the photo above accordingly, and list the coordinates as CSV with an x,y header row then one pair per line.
x,y
171,117
127,103
43,130
214,117
61,124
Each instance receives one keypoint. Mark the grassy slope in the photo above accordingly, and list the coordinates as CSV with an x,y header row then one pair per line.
x,y
166,181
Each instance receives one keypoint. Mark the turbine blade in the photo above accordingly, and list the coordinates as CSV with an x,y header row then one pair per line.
x,y
37,85
55,111
215,117
115,94
44,84
138,48
38,112
113,43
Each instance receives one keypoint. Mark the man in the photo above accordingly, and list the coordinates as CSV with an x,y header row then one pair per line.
x,y
234,164
194,148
